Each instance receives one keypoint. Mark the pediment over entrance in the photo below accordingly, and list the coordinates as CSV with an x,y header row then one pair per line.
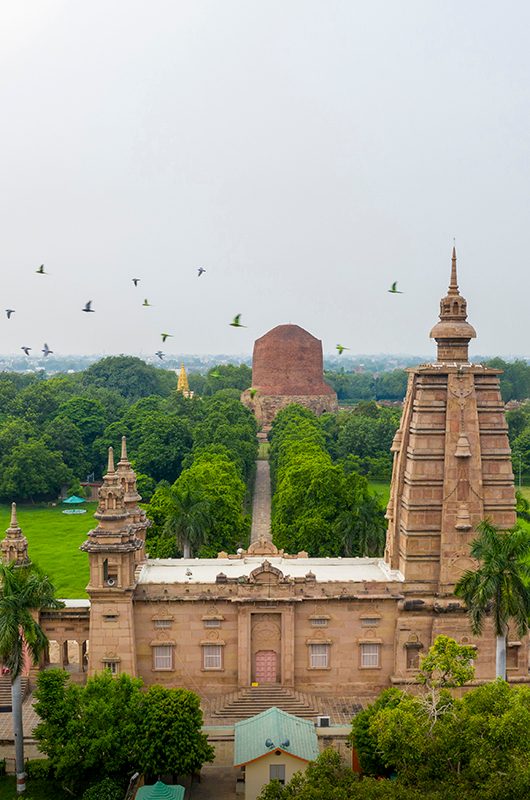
x,y
266,573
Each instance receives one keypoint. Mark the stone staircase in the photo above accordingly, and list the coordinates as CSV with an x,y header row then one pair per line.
x,y
249,702
5,689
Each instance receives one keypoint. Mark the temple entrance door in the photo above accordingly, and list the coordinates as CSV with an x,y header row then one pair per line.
x,y
266,666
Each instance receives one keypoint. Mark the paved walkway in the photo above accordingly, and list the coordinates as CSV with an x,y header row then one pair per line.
x,y
261,504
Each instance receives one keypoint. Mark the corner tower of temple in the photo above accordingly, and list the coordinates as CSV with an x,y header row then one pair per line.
x,y
131,498
452,459
112,549
14,548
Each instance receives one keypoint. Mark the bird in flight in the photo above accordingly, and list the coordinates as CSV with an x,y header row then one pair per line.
x,y
46,350
393,289
215,374
88,307
10,311
166,336
236,322
252,392
136,281
41,270
26,350
341,348
160,354
146,302
200,270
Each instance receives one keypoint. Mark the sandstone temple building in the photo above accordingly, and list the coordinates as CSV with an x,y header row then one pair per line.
x,y
287,367
311,629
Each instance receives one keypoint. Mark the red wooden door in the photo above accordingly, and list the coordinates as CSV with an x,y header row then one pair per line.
x,y
266,667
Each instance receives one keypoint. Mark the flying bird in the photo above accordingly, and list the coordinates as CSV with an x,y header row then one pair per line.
x,y
215,374
200,270
88,307
252,392
41,270
26,350
236,323
46,350
393,289
10,311
146,302
341,348
165,336
136,281
160,354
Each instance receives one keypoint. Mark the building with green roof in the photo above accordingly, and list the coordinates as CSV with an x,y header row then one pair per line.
x,y
272,745
160,791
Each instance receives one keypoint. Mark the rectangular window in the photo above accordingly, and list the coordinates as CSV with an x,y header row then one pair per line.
x,y
212,656
163,656
113,666
512,657
110,617
162,623
277,773
212,623
319,622
319,656
370,655
369,622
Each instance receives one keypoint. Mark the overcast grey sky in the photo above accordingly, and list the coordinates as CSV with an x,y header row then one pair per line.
x,y
306,153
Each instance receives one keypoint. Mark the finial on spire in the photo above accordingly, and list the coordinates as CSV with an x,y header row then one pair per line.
x,y
453,284
124,448
14,521
110,465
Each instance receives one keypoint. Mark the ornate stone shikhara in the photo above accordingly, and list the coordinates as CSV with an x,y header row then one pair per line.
x,y
452,459
14,547
287,367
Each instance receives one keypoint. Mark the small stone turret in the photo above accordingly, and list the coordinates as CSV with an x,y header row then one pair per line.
x,y
131,498
14,548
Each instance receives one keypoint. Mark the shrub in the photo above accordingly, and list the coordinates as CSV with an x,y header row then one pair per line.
x,y
39,768
107,789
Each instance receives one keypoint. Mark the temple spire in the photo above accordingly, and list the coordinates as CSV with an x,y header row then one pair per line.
x,y
123,448
453,284
110,465
183,385
14,548
453,333
14,521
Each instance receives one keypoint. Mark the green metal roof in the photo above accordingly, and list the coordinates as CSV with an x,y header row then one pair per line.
x,y
74,499
160,791
278,727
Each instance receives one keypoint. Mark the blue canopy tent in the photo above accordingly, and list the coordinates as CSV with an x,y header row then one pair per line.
x,y
74,500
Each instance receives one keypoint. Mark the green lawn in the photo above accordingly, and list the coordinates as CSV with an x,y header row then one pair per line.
x,y
35,790
53,541
382,489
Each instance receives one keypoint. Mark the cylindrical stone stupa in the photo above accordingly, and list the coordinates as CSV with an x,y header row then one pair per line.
x,y
287,367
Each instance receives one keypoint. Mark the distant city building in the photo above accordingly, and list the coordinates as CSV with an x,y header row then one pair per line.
x,y
287,367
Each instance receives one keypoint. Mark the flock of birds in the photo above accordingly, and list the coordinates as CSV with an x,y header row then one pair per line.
x,y
87,308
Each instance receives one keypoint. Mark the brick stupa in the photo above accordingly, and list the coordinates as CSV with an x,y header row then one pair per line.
x,y
287,367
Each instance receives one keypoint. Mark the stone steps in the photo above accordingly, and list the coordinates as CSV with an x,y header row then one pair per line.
x,y
249,702
5,689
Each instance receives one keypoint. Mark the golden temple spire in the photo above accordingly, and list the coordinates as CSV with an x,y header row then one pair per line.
x,y
182,384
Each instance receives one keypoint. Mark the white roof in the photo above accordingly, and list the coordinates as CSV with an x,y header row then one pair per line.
x,y
205,570
81,603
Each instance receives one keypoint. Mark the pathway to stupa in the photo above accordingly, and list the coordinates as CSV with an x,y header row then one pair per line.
x,y
261,503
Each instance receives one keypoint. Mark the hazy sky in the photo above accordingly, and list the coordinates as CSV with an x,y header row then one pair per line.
x,y
306,153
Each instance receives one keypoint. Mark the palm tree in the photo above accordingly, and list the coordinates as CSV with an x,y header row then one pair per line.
x,y
500,585
23,590
187,517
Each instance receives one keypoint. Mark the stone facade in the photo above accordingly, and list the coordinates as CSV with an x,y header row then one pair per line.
x,y
287,367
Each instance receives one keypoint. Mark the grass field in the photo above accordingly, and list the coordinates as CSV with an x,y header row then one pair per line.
x,y
36,790
53,541
382,489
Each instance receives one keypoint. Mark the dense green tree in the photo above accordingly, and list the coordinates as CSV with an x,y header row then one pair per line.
x,y
224,376
37,403
128,375
23,591
88,732
15,431
165,440
87,415
33,472
63,435
170,738
499,586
